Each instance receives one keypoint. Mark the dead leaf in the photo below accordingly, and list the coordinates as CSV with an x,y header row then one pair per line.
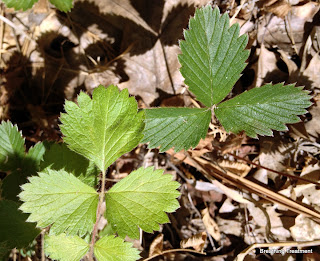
x,y
267,69
203,147
288,34
239,168
280,7
156,246
211,226
305,229
196,241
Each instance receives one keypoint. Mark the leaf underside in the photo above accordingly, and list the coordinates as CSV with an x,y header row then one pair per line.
x,y
65,248
213,55
115,249
261,109
102,128
181,128
141,199
59,198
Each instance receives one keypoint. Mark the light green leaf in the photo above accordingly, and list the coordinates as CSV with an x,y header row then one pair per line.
x,y
59,156
65,248
110,248
141,199
103,128
62,5
262,109
11,147
15,232
213,55
59,198
20,4
181,128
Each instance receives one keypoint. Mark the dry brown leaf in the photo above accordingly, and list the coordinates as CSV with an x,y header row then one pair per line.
x,y
274,157
280,7
211,226
312,71
288,34
313,126
267,69
156,246
305,229
196,241
239,168
203,147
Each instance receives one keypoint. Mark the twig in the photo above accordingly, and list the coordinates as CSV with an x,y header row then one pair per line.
x,y
98,215
172,251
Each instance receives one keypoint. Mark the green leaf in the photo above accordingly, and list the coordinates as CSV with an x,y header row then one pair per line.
x,y
262,109
15,232
11,147
4,251
102,128
62,5
59,198
35,155
59,156
10,187
20,4
140,199
181,128
110,248
213,55
65,248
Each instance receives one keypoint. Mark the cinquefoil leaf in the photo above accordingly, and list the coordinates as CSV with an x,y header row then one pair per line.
x,y
11,147
181,128
141,200
102,128
59,198
62,5
213,55
20,4
262,109
110,248
65,248
15,232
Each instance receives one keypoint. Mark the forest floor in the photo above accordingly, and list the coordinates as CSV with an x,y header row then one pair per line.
x,y
235,191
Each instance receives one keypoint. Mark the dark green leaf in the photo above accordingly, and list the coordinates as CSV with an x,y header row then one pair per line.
x,y
181,128
262,109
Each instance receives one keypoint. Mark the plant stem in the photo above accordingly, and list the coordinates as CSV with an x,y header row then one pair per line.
x,y
98,215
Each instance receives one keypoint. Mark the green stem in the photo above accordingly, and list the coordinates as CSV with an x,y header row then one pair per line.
x,y
98,215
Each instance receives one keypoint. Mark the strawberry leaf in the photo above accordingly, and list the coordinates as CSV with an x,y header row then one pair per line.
x,y
59,198
115,249
262,109
20,4
102,128
62,5
213,55
11,147
181,128
65,248
141,199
